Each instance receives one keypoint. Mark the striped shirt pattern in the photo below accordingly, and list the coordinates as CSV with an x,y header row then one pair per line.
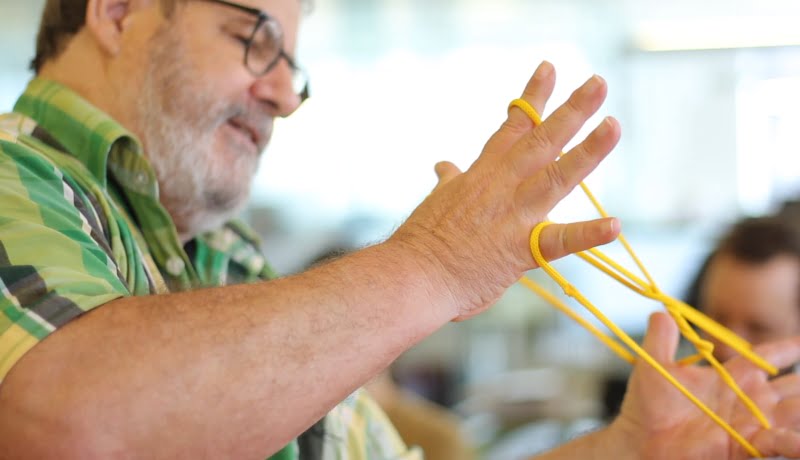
x,y
81,225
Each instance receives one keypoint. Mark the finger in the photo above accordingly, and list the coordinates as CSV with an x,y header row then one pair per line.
x,y
541,145
787,386
559,240
553,182
778,441
787,413
781,354
536,93
661,339
445,172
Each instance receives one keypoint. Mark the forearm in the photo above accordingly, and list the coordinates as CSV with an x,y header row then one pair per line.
x,y
610,443
231,372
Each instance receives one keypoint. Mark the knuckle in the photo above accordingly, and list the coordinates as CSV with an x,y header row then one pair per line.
x,y
538,140
581,155
555,178
516,125
574,106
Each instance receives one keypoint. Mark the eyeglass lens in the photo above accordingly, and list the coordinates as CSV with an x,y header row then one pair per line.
x,y
265,47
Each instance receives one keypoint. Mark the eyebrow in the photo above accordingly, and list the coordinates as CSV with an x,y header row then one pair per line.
x,y
242,17
238,21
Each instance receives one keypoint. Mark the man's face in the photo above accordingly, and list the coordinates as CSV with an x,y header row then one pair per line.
x,y
759,302
203,118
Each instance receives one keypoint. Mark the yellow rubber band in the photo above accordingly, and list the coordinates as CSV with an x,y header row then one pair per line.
x,y
528,109
682,313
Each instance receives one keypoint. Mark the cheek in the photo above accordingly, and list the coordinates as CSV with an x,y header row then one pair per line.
x,y
203,109
792,323
210,78
222,71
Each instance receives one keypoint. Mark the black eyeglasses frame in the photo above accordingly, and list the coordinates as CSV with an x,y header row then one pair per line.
x,y
262,18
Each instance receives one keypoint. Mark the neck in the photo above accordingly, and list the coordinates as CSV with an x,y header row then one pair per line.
x,y
82,68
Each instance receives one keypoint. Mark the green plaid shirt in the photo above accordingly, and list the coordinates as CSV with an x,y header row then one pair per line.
x,y
81,225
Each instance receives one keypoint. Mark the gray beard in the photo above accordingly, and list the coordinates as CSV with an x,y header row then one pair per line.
x,y
178,119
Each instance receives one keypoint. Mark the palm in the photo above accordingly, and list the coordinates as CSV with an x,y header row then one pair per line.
x,y
669,419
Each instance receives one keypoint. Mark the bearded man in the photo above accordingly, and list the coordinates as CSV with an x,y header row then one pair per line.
x,y
138,320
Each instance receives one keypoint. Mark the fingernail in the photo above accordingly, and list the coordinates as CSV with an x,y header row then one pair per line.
x,y
593,83
614,225
544,70
604,127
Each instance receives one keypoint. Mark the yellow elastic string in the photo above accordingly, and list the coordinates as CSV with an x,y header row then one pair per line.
x,y
700,344
678,310
621,238
649,289
537,120
676,307
555,301
627,340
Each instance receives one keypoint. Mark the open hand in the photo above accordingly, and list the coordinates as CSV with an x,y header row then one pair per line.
x,y
662,423
472,231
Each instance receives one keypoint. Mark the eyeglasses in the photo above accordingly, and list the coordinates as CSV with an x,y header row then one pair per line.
x,y
263,49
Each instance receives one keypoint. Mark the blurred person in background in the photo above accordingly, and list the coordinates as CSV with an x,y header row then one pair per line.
x,y
750,282
140,320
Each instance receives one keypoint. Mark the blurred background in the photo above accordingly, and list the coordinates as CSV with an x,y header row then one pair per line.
x,y
706,92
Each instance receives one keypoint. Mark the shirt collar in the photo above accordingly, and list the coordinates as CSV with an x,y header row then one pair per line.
x,y
104,147
82,129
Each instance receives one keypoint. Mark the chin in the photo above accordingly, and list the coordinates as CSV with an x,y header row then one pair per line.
x,y
212,213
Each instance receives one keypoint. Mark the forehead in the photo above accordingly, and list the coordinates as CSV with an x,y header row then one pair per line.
x,y
276,8
286,12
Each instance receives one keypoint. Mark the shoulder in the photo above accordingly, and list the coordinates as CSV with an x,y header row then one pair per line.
x,y
24,156
23,160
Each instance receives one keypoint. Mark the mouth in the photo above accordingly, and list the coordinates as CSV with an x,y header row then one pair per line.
x,y
247,132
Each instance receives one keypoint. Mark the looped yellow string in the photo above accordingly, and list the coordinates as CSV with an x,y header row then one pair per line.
x,y
683,314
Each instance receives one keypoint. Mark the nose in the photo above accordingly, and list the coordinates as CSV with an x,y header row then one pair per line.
x,y
276,91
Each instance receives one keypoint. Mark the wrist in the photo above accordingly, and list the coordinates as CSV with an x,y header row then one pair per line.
x,y
623,440
613,442
428,271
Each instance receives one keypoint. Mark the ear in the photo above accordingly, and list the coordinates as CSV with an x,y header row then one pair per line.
x,y
105,21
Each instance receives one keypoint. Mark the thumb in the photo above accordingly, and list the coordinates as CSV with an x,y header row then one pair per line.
x,y
661,340
446,171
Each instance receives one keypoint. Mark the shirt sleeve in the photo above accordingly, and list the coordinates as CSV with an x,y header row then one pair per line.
x,y
54,262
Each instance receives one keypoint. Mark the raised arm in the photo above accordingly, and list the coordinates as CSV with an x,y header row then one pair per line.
x,y
237,372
